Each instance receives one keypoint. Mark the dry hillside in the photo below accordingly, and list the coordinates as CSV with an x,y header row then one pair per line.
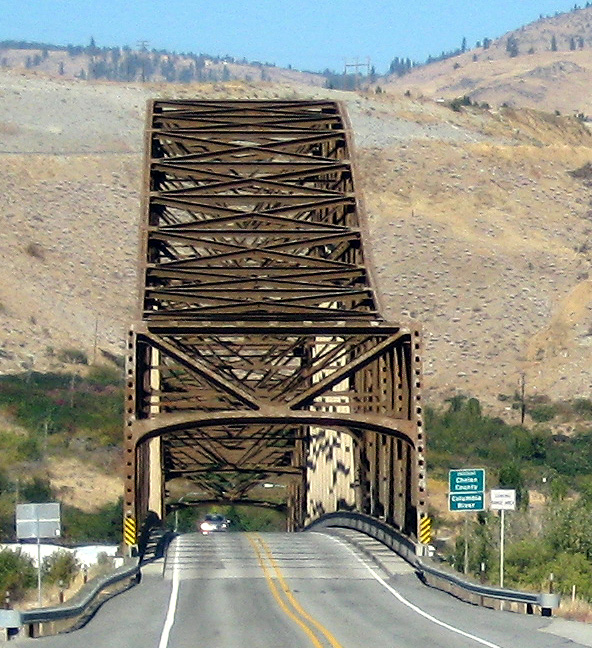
x,y
535,76
478,228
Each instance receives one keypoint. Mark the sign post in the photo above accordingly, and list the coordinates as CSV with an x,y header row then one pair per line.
x,y
503,499
38,521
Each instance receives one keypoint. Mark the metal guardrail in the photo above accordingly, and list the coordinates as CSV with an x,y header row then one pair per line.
x,y
432,575
85,603
88,600
83,600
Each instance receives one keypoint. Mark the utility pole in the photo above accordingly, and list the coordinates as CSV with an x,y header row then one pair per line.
x,y
522,403
143,47
94,357
357,66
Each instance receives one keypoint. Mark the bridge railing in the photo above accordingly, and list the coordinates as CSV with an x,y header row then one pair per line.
x,y
434,576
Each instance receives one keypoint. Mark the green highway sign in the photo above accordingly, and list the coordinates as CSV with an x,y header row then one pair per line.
x,y
469,480
466,501
466,489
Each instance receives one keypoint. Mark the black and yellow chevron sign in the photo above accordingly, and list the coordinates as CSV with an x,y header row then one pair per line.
x,y
129,531
425,530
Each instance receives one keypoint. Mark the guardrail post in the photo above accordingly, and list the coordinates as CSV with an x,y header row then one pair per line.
x,y
548,603
10,623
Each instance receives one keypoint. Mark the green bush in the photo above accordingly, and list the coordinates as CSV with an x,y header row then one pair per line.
x,y
583,407
36,491
7,514
106,525
17,573
16,448
510,476
526,563
103,376
461,435
480,547
72,356
571,569
458,102
60,567
568,529
253,518
62,404
570,456
542,413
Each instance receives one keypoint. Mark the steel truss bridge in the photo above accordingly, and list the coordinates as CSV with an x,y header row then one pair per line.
x,y
259,352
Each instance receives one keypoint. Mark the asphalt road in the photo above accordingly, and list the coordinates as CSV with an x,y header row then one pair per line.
x,y
307,590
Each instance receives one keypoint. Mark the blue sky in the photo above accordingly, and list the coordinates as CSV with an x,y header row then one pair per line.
x,y
307,34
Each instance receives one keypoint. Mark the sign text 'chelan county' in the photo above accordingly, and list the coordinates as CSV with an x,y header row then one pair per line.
x,y
466,489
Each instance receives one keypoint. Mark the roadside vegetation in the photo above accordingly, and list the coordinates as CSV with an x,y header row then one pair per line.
x,y
548,542
57,415
550,454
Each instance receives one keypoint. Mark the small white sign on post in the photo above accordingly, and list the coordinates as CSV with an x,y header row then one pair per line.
x,y
503,499
38,521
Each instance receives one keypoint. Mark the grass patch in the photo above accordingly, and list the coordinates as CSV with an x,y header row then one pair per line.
x,y
62,405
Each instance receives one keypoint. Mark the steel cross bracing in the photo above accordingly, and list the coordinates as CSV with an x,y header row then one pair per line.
x,y
259,352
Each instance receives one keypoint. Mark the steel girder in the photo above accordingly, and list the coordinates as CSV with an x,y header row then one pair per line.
x,y
259,351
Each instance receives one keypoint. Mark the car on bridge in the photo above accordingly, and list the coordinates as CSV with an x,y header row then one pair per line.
x,y
213,523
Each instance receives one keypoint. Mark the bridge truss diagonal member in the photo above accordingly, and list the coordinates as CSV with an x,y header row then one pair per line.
x,y
259,352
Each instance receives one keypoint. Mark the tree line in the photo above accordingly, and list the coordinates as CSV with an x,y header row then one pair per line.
x,y
126,64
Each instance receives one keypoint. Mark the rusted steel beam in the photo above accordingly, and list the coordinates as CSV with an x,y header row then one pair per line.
x,y
260,348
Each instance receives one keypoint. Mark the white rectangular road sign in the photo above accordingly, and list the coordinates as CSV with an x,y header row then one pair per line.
x,y
503,499
38,520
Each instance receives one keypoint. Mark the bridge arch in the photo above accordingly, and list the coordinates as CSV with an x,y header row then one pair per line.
x,y
372,473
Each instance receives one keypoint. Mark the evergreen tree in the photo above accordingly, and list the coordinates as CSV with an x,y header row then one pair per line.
x,y
168,71
512,46
400,66
553,43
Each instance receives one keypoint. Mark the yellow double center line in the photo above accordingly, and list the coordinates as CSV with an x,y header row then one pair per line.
x,y
319,636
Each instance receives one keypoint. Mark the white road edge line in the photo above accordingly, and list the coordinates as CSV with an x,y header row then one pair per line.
x,y
416,609
170,617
